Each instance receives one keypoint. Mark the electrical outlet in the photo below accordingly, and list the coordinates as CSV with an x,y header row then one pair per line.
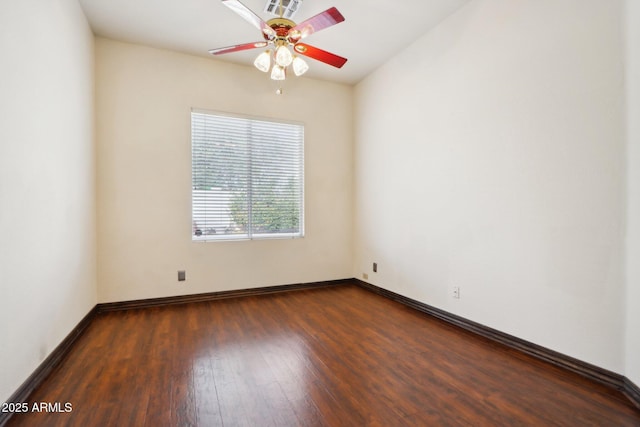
x,y
182,275
375,267
456,292
365,276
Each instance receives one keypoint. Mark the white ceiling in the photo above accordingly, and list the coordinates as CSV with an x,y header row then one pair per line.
x,y
373,30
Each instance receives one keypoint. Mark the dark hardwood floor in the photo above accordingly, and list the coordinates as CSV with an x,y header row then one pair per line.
x,y
333,356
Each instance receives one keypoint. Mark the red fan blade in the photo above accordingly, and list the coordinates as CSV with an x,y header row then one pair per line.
x,y
248,15
320,55
237,48
316,23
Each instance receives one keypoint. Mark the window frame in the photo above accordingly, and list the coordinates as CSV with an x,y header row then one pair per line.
x,y
250,234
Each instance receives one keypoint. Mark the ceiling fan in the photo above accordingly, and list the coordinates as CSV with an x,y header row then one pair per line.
x,y
280,34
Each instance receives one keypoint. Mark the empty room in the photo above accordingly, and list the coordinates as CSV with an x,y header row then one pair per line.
x,y
320,213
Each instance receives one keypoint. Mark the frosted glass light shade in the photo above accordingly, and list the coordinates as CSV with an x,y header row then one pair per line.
x,y
277,73
263,61
283,56
299,66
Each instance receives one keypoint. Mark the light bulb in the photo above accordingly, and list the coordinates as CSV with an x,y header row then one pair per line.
x,y
263,61
277,73
299,66
283,56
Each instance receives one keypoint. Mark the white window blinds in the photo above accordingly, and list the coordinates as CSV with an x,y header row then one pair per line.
x,y
247,178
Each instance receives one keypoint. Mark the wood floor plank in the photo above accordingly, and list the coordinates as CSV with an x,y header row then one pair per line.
x,y
332,356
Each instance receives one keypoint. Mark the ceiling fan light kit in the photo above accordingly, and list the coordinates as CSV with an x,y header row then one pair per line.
x,y
278,73
299,66
284,58
263,61
281,35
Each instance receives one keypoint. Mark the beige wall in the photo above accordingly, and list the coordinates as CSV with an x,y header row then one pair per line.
x,y
490,155
633,191
47,185
144,98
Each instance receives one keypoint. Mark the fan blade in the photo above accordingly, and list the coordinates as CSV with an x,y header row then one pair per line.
x,y
316,23
248,15
320,55
237,48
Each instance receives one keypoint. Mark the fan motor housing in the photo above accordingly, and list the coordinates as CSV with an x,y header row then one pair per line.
x,y
281,26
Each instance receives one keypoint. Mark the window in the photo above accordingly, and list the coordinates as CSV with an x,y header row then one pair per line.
x,y
247,178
